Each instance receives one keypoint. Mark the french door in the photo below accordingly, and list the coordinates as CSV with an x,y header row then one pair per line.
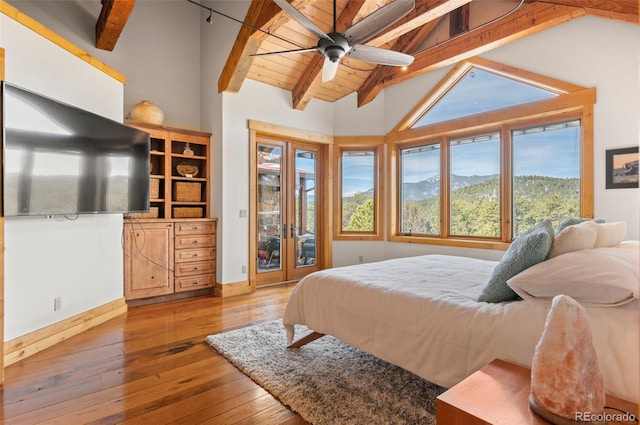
x,y
287,210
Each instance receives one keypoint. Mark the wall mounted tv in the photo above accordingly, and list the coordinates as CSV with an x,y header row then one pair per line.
x,y
59,159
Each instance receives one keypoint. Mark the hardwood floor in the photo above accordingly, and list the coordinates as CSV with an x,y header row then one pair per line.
x,y
151,366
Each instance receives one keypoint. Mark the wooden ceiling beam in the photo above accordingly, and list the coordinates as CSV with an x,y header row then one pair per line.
x,y
424,12
113,17
530,19
311,78
407,43
622,10
261,14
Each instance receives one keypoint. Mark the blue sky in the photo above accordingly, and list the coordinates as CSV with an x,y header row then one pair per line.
x,y
549,153
358,172
554,152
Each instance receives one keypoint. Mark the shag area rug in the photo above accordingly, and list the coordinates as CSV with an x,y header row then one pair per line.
x,y
328,382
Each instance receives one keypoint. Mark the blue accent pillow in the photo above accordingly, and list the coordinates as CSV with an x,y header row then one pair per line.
x,y
528,249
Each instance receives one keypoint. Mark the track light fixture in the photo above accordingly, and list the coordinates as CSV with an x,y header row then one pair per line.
x,y
210,20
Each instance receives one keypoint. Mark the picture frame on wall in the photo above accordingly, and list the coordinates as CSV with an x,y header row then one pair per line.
x,y
622,168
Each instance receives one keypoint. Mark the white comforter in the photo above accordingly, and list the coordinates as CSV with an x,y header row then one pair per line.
x,y
420,313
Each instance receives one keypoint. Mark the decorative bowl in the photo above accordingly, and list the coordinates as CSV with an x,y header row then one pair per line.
x,y
187,170
147,111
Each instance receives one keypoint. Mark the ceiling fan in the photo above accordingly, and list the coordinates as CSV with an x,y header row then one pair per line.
x,y
336,45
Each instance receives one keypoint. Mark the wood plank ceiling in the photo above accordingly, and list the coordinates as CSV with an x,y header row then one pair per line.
x,y
417,33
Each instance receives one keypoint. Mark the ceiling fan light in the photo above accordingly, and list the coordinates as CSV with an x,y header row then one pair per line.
x,y
334,53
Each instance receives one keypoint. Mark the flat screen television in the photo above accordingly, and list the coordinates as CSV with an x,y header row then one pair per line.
x,y
59,159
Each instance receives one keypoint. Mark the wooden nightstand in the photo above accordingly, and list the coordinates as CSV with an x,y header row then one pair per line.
x,y
498,394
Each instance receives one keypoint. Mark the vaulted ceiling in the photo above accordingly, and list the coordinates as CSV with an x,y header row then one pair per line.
x,y
419,33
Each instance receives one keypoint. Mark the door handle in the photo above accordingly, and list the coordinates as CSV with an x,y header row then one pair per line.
x,y
284,231
293,229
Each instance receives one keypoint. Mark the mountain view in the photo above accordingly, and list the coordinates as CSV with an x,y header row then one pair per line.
x,y
475,205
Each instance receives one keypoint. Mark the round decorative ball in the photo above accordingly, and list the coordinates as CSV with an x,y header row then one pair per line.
x,y
147,111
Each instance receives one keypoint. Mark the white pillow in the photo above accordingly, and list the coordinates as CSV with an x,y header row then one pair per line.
x,y
574,238
610,234
597,277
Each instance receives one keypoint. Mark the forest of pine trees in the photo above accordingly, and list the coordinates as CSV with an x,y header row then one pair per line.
x,y
476,208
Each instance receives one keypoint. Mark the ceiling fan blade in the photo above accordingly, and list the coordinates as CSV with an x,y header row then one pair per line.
x,y
301,19
379,56
286,52
378,20
329,70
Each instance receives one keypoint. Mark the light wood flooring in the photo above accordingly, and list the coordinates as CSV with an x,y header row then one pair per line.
x,y
151,366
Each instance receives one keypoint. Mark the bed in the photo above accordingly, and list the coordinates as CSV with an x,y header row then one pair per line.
x,y
421,313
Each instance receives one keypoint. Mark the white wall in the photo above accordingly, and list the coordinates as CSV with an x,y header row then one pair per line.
x,y
251,103
598,53
255,101
80,261
158,50
591,52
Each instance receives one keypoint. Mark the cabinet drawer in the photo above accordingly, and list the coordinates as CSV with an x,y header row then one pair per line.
x,y
186,255
195,228
194,282
196,241
195,267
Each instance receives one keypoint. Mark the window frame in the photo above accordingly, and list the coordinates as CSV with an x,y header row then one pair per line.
x,y
359,143
573,102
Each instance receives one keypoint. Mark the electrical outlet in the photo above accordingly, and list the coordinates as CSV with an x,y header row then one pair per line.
x,y
57,303
360,259
244,269
243,213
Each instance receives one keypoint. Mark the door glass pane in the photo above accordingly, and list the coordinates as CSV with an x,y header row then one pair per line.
x,y
269,207
475,186
358,186
305,208
546,174
420,190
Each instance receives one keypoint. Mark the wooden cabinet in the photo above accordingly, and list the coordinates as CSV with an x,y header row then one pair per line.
x,y
148,257
164,257
499,394
195,255
180,172
171,250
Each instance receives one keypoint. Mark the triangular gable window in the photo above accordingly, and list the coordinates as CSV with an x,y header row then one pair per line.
x,y
479,91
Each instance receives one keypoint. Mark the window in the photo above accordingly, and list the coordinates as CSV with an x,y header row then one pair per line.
x,y
358,200
481,91
546,174
488,154
474,185
420,190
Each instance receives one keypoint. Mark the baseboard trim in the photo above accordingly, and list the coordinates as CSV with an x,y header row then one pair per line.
x,y
36,341
169,297
234,288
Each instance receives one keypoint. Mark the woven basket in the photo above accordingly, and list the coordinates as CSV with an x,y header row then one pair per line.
x,y
154,188
187,212
154,212
187,192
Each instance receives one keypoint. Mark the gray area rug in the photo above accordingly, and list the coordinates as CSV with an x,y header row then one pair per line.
x,y
328,382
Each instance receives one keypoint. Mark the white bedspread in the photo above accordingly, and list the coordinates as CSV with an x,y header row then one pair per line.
x,y
420,313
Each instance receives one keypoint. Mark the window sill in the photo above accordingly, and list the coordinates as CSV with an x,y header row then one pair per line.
x,y
457,242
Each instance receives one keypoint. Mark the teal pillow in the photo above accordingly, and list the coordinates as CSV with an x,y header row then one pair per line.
x,y
528,249
573,221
